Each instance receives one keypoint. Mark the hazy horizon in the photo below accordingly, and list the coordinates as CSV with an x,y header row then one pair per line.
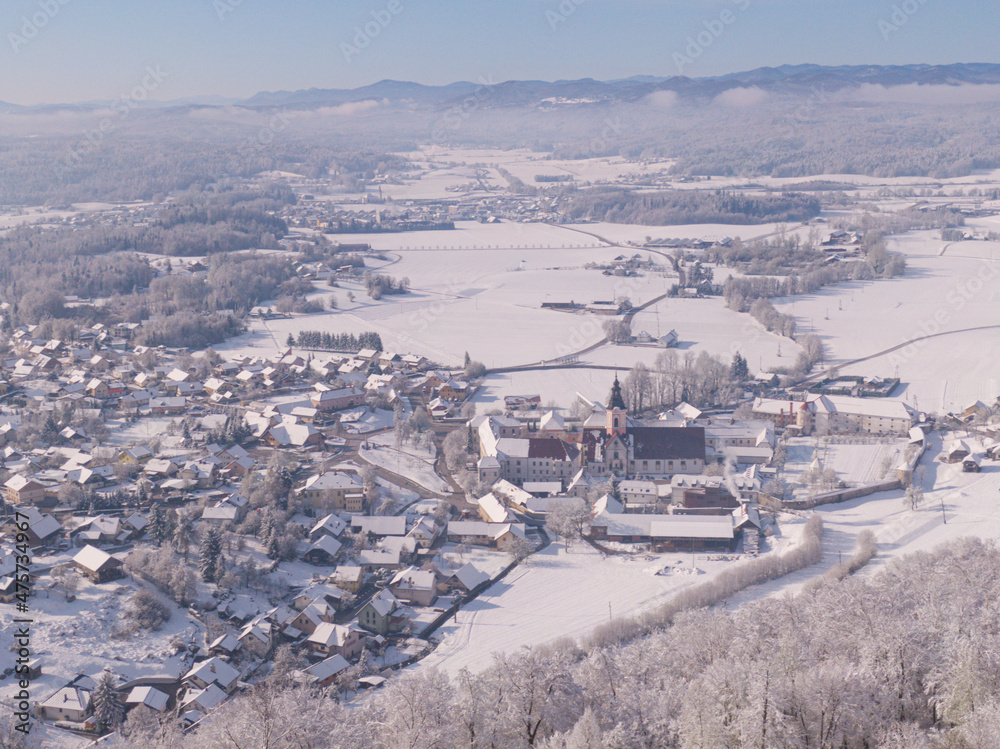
x,y
61,51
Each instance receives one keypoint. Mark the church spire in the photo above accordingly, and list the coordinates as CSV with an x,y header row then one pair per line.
x,y
617,421
616,401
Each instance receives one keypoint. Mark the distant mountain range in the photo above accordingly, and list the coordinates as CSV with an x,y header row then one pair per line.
x,y
786,79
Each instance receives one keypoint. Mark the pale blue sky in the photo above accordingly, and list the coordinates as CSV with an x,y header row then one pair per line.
x,y
100,49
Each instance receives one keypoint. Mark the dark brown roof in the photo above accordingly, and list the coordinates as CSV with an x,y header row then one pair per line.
x,y
551,448
668,443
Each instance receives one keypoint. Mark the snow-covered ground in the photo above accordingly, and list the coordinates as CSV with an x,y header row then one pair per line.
x,y
558,593
72,638
562,592
955,505
416,464
947,287
855,464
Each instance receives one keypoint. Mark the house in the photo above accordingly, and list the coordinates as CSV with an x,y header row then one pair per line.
x,y
22,490
464,580
98,565
168,406
71,702
972,464
955,451
323,550
499,535
667,532
227,644
41,528
324,673
348,577
337,639
8,589
337,400
150,697
137,455
425,531
199,702
492,510
213,671
382,614
312,616
330,525
374,559
259,636
324,593
335,490
289,434
454,390
413,586
831,414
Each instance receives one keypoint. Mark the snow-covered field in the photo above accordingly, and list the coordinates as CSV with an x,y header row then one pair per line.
x,y
947,287
557,593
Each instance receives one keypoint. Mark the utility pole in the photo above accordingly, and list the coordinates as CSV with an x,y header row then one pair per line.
x,y
943,516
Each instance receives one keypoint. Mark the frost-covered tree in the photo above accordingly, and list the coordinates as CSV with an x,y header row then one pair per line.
x,y
183,534
109,711
210,562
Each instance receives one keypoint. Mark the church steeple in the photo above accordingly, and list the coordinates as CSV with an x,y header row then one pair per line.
x,y
615,400
616,412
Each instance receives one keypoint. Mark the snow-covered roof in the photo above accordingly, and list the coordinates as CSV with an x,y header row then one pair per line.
x,y
329,667
380,525
92,558
470,576
329,634
214,670
494,509
149,696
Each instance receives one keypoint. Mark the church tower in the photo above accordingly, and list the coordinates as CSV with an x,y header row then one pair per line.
x,y
616,419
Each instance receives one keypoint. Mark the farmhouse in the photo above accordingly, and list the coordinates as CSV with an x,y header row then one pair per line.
x,y
667,532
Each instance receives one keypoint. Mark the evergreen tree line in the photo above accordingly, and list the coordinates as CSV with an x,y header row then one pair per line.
x,y
348,342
